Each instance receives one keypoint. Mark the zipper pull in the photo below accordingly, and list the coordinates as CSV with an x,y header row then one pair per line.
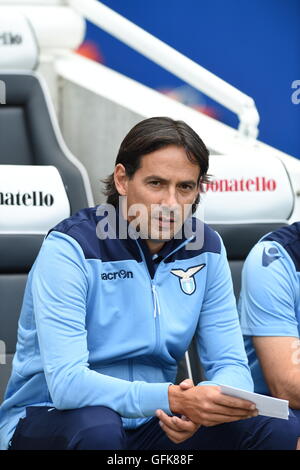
x,y
156,301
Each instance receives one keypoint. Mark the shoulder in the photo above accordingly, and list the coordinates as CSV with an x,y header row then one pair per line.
x,y
287,241
276,257
81,227
270,286
212,240
203,240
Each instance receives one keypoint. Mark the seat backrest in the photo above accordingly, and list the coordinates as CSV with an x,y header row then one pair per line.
x,y
248,196
41,183
29,135
239,240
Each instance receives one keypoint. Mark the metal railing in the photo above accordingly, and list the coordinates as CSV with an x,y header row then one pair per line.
x,y
173,61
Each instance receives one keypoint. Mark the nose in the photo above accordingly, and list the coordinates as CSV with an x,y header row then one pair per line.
x,y
170,198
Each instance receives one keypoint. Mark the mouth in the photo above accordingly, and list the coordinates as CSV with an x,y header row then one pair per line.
x,y
165,222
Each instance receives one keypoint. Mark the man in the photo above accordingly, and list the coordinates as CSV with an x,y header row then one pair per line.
x,y
111,304
270,314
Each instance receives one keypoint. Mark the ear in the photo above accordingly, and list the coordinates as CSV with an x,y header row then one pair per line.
x,y
121,179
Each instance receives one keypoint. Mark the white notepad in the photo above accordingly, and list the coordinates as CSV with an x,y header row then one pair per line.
x,y
267,406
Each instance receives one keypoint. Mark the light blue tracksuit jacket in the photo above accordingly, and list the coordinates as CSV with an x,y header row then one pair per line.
x,y
105,323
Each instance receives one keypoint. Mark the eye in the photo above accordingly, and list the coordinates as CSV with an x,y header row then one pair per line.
x,y
155,183
186,187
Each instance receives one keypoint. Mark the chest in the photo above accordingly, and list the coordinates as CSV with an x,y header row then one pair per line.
x,y
124,299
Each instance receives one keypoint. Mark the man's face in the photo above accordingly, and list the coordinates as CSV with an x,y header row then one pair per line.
x,y
159,193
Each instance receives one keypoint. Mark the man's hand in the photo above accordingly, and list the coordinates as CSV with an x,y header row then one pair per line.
x,y
206,405
178,429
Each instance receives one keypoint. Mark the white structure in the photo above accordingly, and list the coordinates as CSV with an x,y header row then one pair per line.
x,y
96,106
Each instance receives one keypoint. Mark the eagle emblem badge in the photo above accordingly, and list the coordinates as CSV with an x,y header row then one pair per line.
x,y
186,278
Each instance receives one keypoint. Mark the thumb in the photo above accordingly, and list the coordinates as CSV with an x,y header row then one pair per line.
x,y
186,384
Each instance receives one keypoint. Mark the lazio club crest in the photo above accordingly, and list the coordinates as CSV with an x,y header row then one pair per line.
x,y
186,278
269,255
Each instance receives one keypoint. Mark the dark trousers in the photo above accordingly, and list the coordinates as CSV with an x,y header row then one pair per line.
x,y
99,427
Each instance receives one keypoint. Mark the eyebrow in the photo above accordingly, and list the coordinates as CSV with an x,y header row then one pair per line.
x,y
163,180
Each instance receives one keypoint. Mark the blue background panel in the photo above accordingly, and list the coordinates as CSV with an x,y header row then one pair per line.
x,y
254,45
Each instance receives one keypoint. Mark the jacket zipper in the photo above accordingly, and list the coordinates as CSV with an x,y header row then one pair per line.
x,y
156,317
156,312
156,306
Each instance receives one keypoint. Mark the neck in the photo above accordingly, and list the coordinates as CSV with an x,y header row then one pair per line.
x,y
154,247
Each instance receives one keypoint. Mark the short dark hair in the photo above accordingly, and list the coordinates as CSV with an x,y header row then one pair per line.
x,y
153,134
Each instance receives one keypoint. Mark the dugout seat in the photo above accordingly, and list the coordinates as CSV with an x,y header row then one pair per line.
x,y
248,197
41,183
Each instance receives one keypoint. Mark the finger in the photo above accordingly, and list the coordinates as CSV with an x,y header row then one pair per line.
x,y
177,439
171,421
161,414
164,418
186,384
228,411
180,423
184,418
175,436
233,402
177,424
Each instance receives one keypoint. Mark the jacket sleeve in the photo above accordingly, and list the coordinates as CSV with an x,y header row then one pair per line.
x,y
219,338
59,287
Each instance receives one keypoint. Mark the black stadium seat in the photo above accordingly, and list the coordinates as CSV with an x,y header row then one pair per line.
x,y
239,240
32,148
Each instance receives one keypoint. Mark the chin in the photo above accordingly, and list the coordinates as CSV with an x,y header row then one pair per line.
x,y
161,235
